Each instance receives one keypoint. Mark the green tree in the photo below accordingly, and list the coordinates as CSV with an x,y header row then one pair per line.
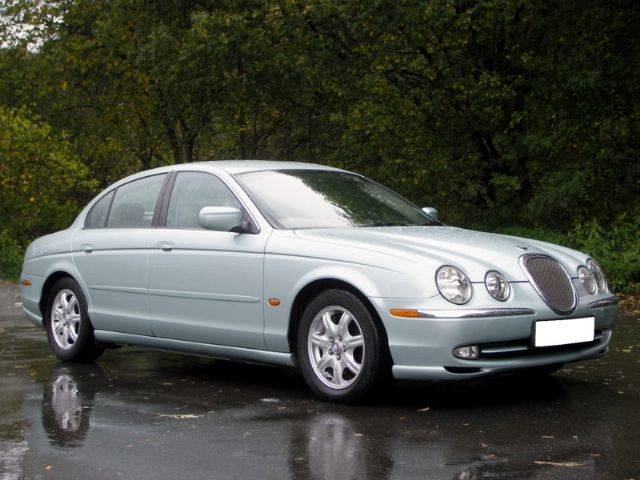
x,y
501,113
41,184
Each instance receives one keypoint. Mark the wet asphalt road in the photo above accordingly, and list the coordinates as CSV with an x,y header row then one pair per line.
x,y
145,414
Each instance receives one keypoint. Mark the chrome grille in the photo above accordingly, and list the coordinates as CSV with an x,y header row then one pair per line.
x,y
551,281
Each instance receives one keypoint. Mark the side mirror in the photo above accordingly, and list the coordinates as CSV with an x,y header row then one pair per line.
x,y
223,219
432,212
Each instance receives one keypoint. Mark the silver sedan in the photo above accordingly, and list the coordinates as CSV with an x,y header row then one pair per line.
x,y
310,266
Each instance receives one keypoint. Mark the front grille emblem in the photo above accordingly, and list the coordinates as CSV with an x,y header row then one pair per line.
x,y
552,282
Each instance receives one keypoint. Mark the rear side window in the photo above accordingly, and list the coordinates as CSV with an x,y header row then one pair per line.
x,y
135,203
97,216
193,191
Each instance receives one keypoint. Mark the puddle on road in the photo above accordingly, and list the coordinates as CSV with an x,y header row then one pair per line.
x,y
145,414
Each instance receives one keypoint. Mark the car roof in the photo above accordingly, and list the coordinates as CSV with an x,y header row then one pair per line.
x,y
243,166
232,167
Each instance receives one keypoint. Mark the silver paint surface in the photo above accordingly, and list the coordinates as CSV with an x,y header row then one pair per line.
x,y
211,287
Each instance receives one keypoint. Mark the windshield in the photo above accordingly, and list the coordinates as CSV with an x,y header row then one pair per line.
x,y
293,199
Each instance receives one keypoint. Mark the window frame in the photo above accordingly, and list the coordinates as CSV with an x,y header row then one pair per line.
x,y
111,192
276,225
254,226
156,208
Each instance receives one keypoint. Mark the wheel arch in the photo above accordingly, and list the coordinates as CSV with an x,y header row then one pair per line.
x,y
52,277
313,289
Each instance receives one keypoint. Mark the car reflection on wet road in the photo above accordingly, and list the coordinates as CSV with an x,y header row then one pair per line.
x,y
144,414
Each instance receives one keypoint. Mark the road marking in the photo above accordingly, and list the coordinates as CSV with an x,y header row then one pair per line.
x,y
18,304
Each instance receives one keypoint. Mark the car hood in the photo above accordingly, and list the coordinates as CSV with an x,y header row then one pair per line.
x,y
473,251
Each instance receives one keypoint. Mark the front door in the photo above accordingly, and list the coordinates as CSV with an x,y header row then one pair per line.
x,y
111,252
205,286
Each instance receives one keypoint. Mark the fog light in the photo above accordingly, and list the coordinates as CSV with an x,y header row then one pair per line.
x,y
470,352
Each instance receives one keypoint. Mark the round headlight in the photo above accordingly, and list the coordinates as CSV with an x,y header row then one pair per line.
x,y
497,285
596,270
588,279
453,285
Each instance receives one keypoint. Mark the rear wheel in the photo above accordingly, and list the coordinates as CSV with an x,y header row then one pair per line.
x,y
340,347
69,330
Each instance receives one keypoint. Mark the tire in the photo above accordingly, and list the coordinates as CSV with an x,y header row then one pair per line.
x,y
76,343
355,344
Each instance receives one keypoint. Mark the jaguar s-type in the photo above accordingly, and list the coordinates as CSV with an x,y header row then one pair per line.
x,y
311,267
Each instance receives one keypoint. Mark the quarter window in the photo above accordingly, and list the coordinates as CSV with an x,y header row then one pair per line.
x,y
193,191
135,203
97,216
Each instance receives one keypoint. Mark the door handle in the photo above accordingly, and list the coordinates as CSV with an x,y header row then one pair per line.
x,y
165,246
87,247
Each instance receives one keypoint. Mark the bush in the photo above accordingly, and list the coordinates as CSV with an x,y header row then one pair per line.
x,y
10,256
41,184
616,248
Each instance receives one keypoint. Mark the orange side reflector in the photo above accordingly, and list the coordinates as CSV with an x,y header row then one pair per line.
x,y
274,302
404,312
26,283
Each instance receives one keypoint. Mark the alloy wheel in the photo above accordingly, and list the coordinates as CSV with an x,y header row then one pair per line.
x,y
65,319
336,347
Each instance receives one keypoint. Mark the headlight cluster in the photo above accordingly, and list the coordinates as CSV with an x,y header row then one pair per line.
x,y
592,277
455,286
588,279
497,285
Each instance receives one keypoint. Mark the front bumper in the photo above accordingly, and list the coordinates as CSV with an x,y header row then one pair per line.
x,y
421,348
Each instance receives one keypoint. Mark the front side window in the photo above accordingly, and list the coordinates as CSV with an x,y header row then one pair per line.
x,y
192,191
97,216
135,203
293,199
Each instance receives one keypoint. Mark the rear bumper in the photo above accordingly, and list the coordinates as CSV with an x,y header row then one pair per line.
x,y
34,317
421,348
30,297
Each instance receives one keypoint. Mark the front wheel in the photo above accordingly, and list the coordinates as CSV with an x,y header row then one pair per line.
x,y
69,330
340,347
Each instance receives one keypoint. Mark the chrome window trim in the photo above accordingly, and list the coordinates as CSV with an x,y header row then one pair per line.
x,y
169,192
95,201
111,189
475,312
605,302
535,286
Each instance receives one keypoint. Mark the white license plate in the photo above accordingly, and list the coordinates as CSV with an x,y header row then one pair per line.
x,y
564,332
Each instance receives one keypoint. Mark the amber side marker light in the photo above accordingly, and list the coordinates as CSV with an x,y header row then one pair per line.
x,y
404,312
26,283
274,302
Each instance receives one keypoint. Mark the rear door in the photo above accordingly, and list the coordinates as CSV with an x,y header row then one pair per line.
x,y
205,286
111,252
